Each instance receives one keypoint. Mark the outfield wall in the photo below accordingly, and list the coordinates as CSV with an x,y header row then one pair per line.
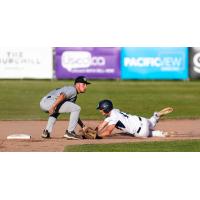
x,y
26,62
146,63
194,65
124,63
154,63
93,62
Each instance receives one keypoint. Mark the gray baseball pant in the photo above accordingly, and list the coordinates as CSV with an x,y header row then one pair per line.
x,y
66,107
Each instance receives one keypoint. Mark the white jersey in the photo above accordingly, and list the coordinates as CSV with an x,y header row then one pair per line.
x,y
132,124
123,121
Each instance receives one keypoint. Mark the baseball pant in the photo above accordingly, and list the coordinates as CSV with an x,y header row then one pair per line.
x,y
66,107
146,128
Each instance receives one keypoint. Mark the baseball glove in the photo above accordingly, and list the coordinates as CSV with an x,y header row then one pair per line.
x,y
88,133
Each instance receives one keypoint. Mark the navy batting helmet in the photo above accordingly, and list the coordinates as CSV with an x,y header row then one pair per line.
x,y
105,105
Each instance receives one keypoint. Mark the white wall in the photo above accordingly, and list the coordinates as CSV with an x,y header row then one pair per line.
x,y
26,62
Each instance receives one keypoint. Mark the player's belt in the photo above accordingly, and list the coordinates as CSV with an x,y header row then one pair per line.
x,y
140,126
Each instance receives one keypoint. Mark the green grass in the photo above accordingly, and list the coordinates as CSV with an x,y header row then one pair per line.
x,y
164,146
20,99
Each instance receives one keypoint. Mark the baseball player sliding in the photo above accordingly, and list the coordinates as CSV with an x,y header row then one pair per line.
x,y
62,100
130,124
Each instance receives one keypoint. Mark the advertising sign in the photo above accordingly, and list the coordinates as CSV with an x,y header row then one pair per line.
x,y
154,63
26,62
96,62
194,57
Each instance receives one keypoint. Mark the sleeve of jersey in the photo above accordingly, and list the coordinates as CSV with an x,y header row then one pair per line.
x,y
111,120
68,92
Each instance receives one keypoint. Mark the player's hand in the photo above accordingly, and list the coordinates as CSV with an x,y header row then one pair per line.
x,y
85,128
51,110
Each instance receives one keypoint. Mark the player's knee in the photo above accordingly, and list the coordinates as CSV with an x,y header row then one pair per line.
x,y
43,107
78,108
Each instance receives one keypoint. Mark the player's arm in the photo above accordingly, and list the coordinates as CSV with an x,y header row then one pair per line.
x,y
81,124
101,126
60,99
107,131
104,129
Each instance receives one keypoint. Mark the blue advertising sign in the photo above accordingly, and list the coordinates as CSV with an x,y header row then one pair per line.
x,y
154,63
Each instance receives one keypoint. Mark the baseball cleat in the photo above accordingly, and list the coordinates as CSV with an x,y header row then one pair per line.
x,y
71,135
165,111
45,134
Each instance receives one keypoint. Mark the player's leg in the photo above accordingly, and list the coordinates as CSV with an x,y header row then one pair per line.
x,y
74,110
158,133
51,122
153,121
45,105
147,128
157,115
143,130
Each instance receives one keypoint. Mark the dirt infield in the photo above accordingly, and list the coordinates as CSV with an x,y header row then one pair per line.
x,y
186,129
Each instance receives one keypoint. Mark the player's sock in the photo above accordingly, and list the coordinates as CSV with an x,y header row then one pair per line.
x,y
50,123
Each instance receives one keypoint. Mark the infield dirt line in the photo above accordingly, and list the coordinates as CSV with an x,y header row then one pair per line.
x,y
186,129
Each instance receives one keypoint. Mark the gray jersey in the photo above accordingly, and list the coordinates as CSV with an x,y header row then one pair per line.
x,y
66,106
68,91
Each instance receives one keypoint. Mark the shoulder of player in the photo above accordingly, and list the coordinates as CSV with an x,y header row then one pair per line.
x,y
69,88
115,111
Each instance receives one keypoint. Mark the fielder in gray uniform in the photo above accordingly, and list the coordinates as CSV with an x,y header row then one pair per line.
x,y
62,100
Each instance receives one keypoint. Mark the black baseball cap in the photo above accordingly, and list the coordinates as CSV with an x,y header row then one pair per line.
x,y
81,79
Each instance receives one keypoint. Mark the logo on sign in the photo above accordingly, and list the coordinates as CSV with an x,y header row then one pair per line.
x,y
80,59
196,61
152,62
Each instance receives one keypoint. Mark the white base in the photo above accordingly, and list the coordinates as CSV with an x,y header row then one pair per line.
x,y
19,136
